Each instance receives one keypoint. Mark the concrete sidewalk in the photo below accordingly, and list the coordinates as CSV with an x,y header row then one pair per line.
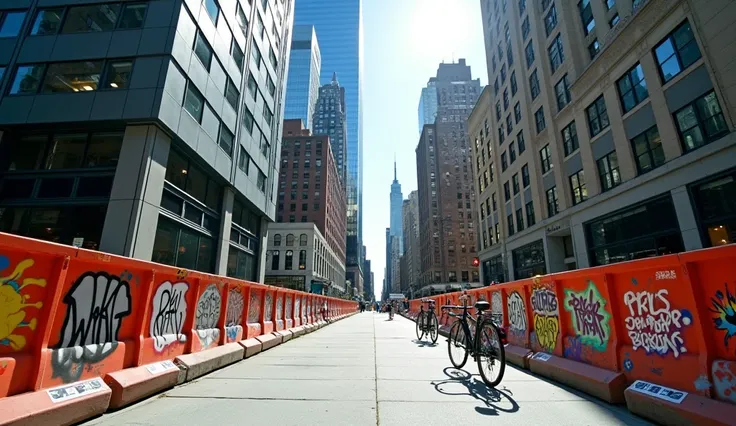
x,y
365,370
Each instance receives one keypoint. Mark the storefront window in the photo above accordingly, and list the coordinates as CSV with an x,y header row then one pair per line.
x,y
493,270
177,245
529,260
715,202
644,230
57,224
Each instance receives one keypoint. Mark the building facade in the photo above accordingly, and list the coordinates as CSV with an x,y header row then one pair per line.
x,y
396,200
340,29
302,85
445,187
310,188
387,273
368,280
410,217
610,133
395,264
329,119
427,104
145,129
300,256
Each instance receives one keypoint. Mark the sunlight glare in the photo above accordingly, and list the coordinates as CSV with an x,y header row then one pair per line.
x,y
439,27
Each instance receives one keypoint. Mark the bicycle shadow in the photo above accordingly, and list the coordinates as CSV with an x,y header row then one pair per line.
x,y
491,397
424,344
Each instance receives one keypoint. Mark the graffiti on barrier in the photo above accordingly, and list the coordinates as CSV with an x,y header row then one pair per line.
x,y
724,379
724,306
497,307
234,314
289,307
279,307
268,316
168,315
254,307
208,313
546,316
96,305
12,303
516,312
589,316
653,325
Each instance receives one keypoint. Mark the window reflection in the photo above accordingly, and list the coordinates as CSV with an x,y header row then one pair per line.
x,y
180,246
27,79
95,18
72,77
66,151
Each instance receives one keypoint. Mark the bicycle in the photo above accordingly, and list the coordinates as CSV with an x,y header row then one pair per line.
x,y
478,344
427,322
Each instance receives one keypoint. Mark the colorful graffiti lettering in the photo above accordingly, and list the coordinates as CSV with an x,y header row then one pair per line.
x,y
208,313
12,306
724,379
546,316
517,313
168,315
589,315
96,304
724,305
653,325
234,314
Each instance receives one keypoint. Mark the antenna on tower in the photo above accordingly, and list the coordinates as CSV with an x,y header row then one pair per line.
x,y
394,167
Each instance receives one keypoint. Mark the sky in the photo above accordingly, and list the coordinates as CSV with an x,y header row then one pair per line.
x,y
404,43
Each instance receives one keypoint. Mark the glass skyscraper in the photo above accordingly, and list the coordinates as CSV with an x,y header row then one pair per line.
x,y
302,86
339,27
427,104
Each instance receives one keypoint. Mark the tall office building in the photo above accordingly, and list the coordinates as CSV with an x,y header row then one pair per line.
x,y
609,133
396,223
387,272
340,28
302,86
329,119
147,129
410,218
445,186
428,104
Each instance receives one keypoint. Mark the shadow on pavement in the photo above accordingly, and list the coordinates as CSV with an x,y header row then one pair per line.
x,y
493,398
424,344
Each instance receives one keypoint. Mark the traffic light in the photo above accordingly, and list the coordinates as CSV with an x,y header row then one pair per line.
x,y
476,262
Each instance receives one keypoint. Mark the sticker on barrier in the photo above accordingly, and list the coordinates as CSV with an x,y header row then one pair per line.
x,y
662,392
160,367
542,356
75,390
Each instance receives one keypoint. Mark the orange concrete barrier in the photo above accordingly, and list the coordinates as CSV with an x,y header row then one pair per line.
x,y
655,333
80,328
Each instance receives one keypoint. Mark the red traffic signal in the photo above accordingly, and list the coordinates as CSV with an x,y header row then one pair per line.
x,y
476,262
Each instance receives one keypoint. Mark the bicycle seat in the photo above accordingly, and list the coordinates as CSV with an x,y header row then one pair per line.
x,y
482,305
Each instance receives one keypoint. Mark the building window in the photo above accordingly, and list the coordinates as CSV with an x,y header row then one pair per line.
x,y
506,191
597,116
275,255
503,73
178,245
556,53
11,23
188,177
677,52
648,150
550,21
289,260
505,99
203,50
289,240
553,206
529,53
72,77
498,110
610,4
509,126
562,92
545,159
608,171
93,18
512,152
504,162
529,260
525,175
232,94
517,112
615,20
525,28
539,119
303,238
530,219
594,48
520,142
261,182
514,86
632,88
515,183
243,160
534,84
226,140
645,230
715,201
586,16
570,138
241,19
700,122
277,240
510,224
519,220
522,7
577,187
117,75
302,259
48,22
212,10
194,102
493,201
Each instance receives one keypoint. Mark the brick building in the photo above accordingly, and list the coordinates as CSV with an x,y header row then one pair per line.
x,y
310,189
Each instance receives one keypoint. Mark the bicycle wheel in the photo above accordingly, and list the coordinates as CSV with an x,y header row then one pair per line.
x,y
491,356
420,326
434,327
457,346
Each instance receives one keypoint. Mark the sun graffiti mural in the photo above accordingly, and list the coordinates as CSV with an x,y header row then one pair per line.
x,y
13,303
724,306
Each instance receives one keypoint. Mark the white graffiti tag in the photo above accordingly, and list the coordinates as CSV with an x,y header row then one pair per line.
x,y
234,314
653,325
516,312
497,308
168,315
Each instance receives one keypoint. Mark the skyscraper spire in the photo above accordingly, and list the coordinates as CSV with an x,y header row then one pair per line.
x,y
395,167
